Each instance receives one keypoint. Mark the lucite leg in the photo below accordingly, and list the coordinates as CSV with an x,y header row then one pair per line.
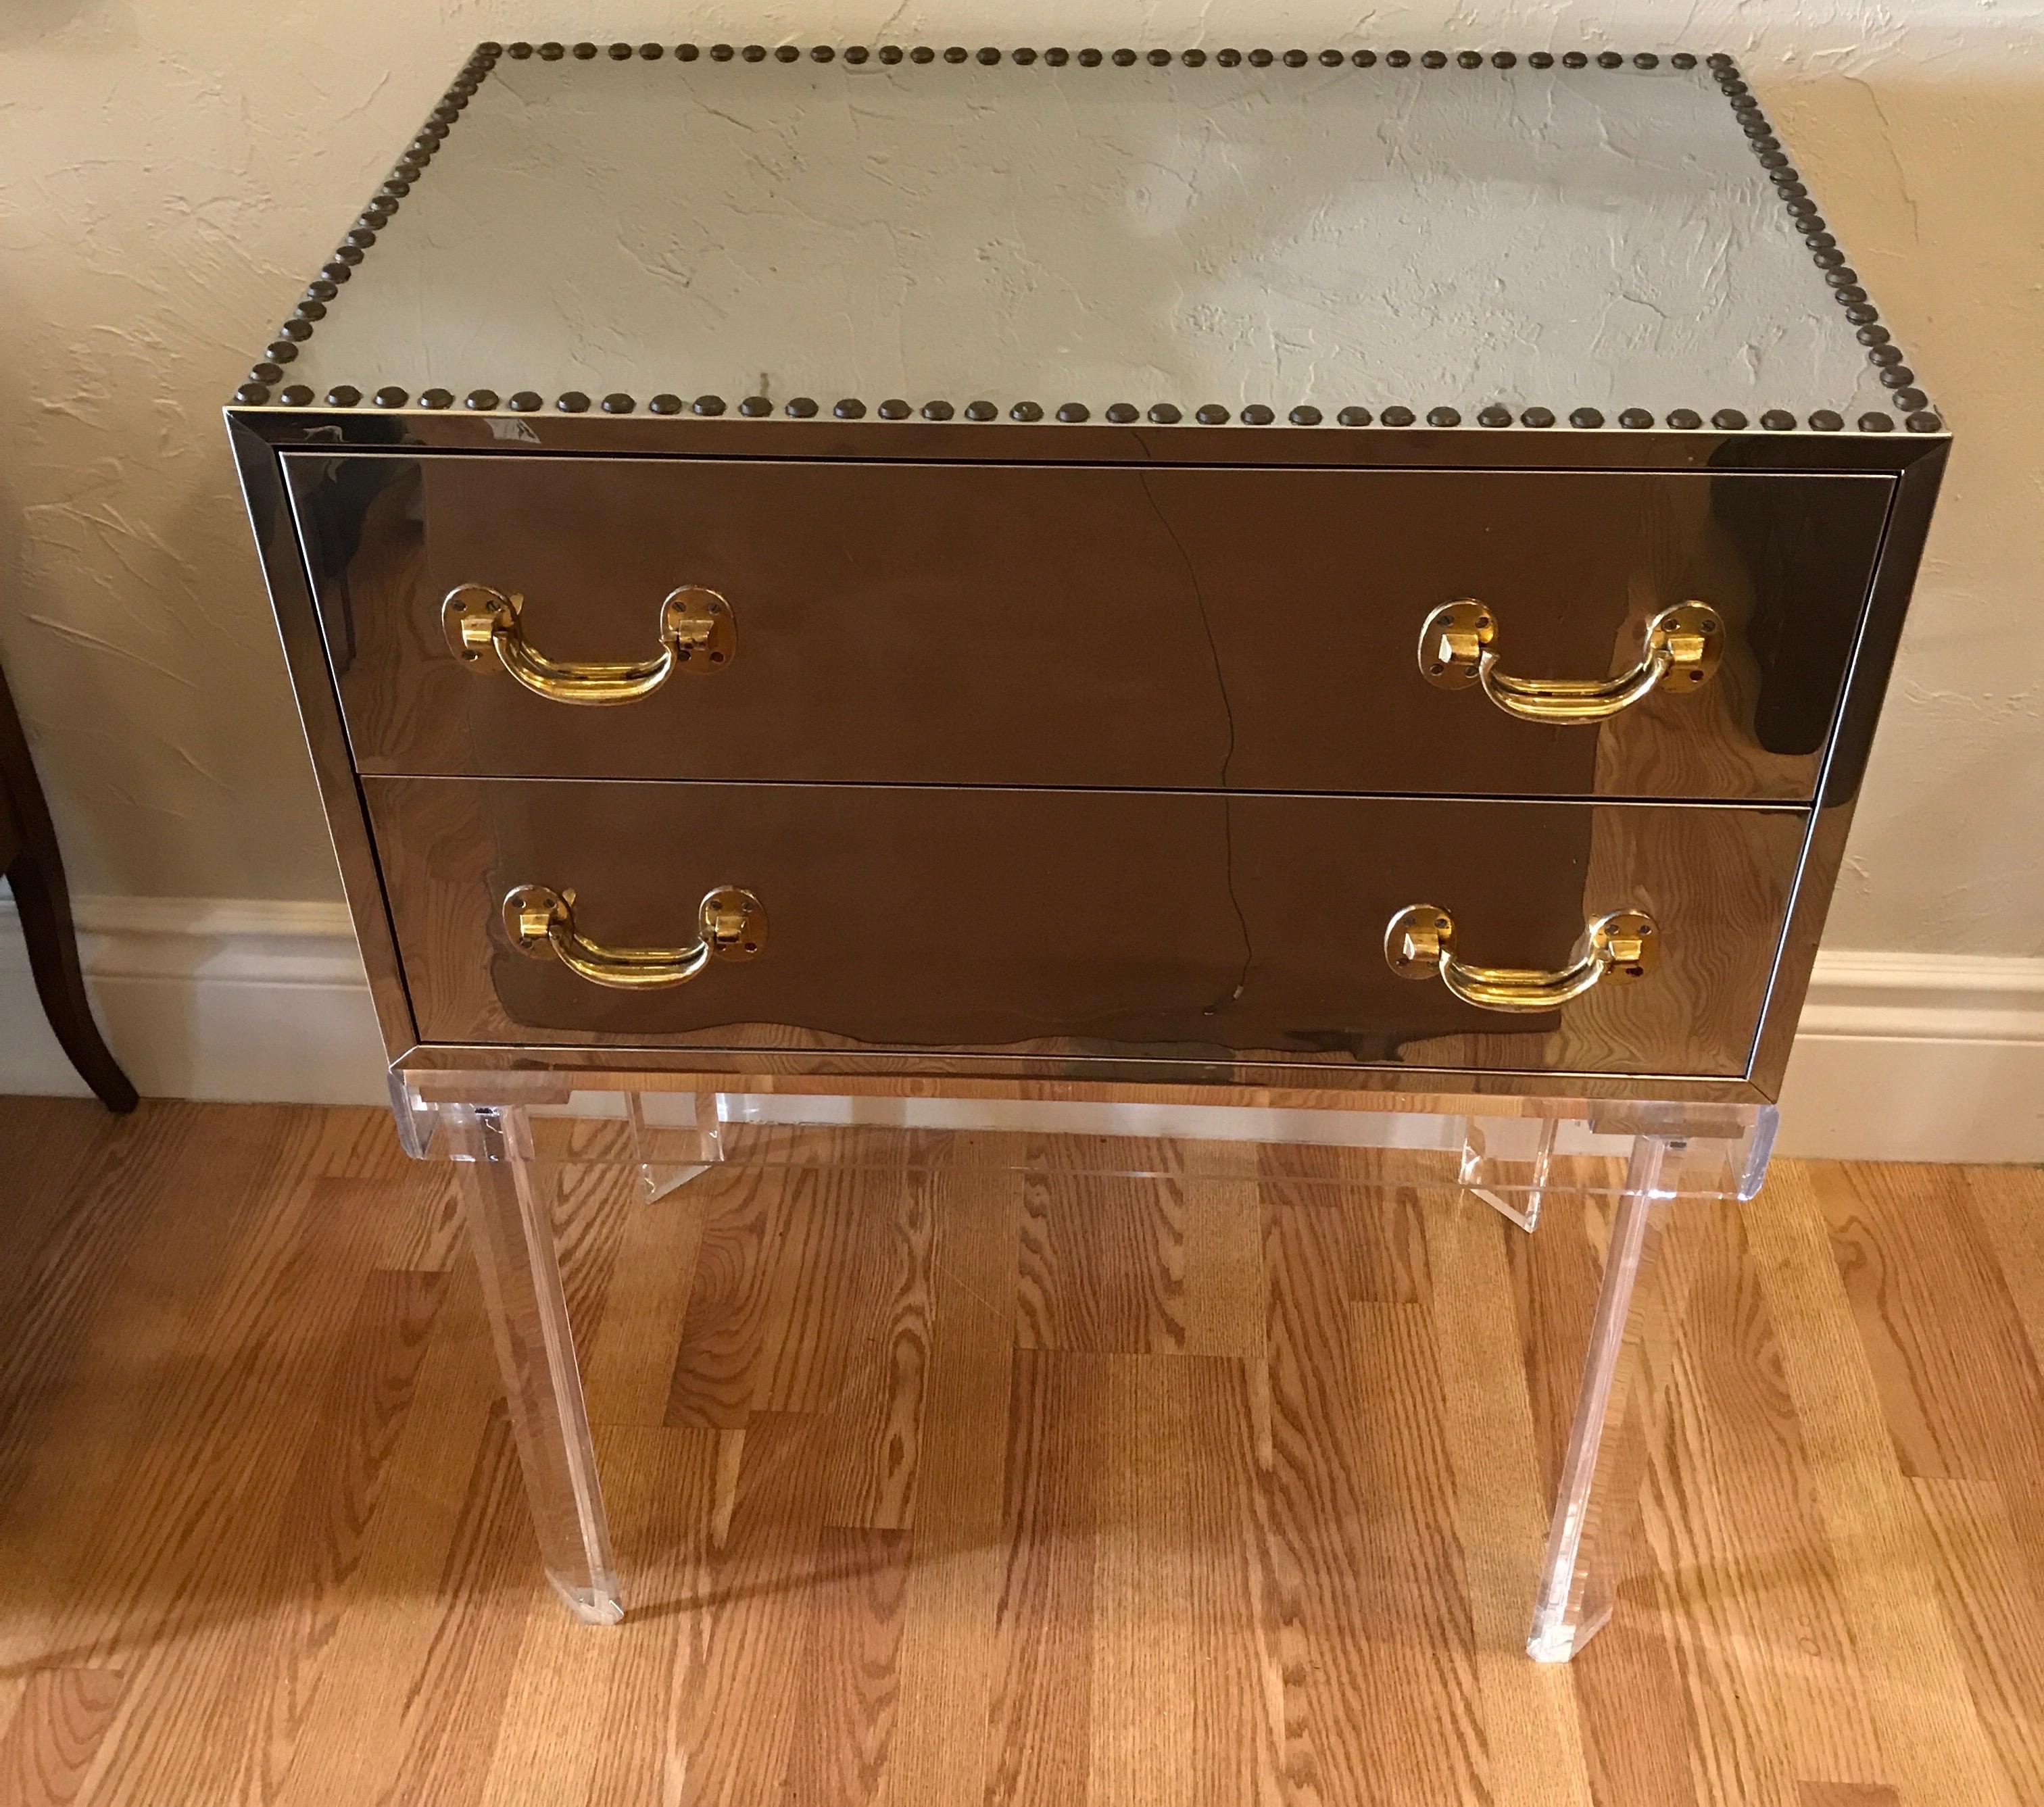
x,y
676,1136
1505,1162
1597,1504
513,1231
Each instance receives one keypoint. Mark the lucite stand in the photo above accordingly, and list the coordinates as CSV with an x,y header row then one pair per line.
x,y
512,1133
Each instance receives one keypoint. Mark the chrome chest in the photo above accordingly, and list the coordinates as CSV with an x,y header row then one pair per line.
x,y
1091,570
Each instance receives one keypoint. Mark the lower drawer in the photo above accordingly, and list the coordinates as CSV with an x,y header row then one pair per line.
x,y
1174,926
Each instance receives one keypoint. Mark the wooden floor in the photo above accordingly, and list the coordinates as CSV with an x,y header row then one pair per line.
x,y
952,1482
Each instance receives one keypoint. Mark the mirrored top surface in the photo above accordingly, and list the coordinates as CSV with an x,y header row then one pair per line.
x,y
1332,237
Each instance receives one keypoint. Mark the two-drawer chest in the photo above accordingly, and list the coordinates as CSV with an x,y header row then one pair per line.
x,y
1341,575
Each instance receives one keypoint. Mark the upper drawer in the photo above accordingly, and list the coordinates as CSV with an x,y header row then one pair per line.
x,y
1043,625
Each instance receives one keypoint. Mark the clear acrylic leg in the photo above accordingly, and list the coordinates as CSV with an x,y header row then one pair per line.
x,y
677,1135
1506,1161
513,1231
1598,1502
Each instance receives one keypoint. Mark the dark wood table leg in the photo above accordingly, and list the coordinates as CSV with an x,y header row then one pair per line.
x,y
34,869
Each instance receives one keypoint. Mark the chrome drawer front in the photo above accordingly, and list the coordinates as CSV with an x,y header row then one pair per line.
x,y
1179,927
1176,628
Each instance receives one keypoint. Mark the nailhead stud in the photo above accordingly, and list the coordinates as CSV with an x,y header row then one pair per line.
x,y
1211,414
1304,415
1393,416
937,411
666,402
893,408
1777,420
1729,420
850,409
297,395
800,408
1537,417
1360,416
1585,418
1443,418
1073,412
1909,398
1165,414
1876,423
618,402
755,408
252,394
1257,415
1825,421
1121,413
1026,411
1925,422
1684,419
573,402
390,397
432,398
1635,418
342,395
481,400
981,410
1494,416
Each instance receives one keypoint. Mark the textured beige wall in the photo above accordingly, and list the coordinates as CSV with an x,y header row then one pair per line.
x,y
171,171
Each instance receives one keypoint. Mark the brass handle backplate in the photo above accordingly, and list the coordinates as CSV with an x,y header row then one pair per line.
x,y
1684,646
1420,944
540,921
696,630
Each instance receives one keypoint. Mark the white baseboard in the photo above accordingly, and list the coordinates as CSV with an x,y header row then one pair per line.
x,y
218,998
1900,1057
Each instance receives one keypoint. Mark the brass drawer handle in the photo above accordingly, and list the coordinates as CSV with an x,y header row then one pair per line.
x,y
1420,942
540,921
696,635
1684,645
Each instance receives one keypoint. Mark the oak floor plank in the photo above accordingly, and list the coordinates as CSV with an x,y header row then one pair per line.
x,y
628,1359
319,1531
61,1717
661,1487
1102,1261
984,1468
356,1730
1959,1407
1932,1746
949,1659
848,1674
1986,1570
2009,1204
